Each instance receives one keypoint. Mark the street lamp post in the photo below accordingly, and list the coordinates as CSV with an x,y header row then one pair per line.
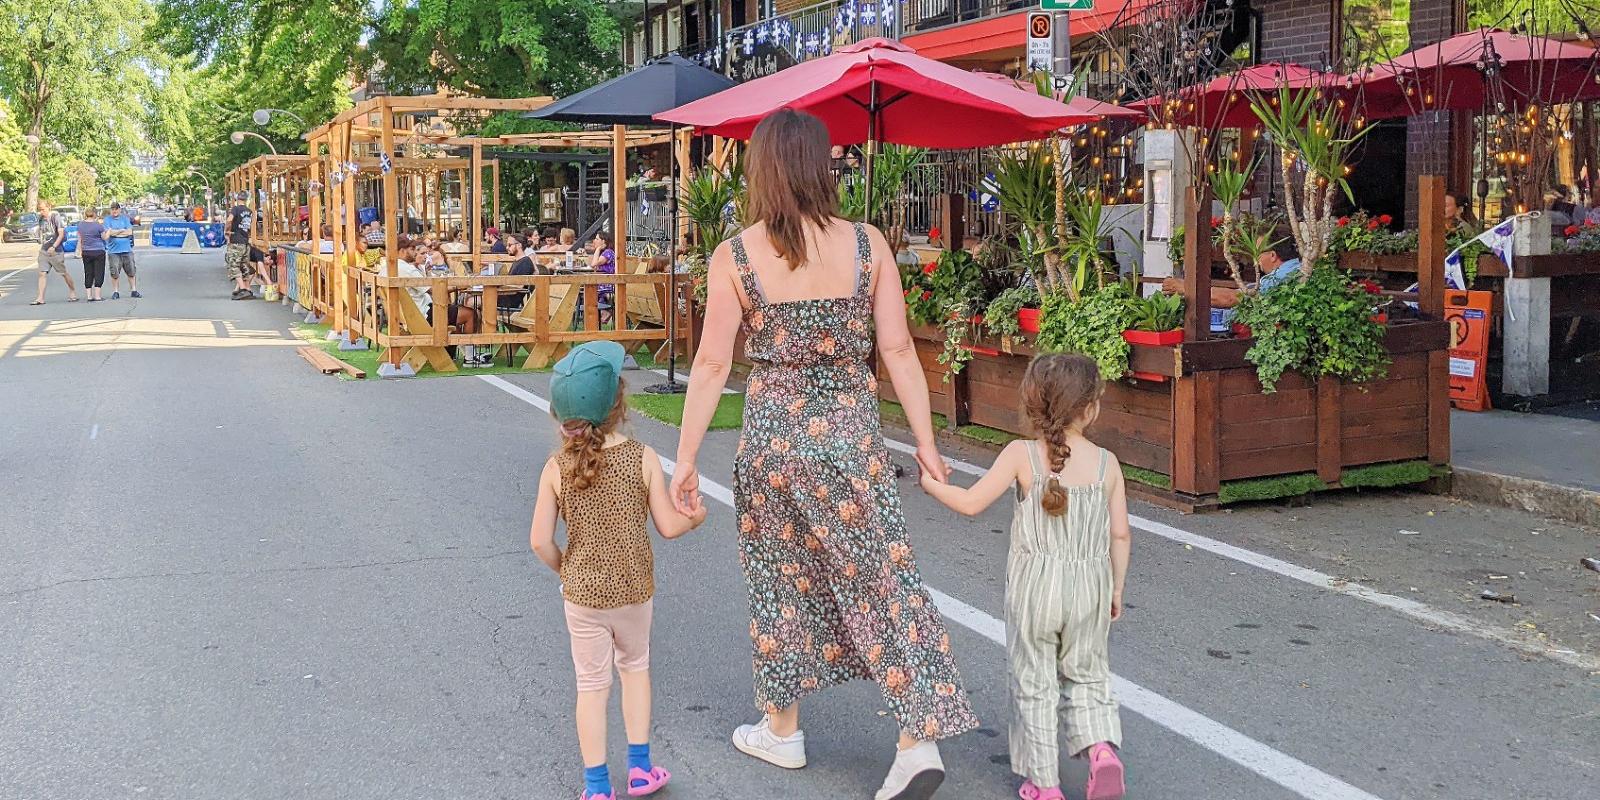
x,y
262,116
237,137
195,171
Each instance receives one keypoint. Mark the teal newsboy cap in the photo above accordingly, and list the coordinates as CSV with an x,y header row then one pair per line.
x,y
585,382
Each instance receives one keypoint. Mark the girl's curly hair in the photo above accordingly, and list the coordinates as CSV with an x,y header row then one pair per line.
x,y
583,440
1057,392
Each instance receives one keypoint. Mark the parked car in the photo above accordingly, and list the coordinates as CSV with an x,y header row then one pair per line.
x,y
71,215
21,228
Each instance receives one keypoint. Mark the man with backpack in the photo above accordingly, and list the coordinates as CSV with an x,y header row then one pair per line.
x,y
52,238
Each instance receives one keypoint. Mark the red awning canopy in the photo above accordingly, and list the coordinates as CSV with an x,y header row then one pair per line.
x,y
1224,101
996,35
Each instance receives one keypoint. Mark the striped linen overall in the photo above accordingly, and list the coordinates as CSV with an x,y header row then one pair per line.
x,y
1058,617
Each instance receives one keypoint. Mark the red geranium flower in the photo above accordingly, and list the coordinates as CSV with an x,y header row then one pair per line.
x,y
1216,222
1385,219
1369,286
928,268
1572,230
1372,225
1343,221
926,296
934,234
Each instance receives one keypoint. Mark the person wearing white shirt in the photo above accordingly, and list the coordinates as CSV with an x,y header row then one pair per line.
x,y
459,317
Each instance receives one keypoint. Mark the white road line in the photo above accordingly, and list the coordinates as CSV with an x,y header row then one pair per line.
x,y
94,431
1421,612
1274,765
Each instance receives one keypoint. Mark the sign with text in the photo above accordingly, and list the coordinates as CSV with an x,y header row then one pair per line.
x,y
1040,46
1067,5
1468,314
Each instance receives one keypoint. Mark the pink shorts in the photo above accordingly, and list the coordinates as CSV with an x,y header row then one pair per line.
x,y
603,637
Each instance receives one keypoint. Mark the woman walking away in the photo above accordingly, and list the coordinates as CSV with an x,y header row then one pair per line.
x,y
92,248
835,594
604,485
1064,577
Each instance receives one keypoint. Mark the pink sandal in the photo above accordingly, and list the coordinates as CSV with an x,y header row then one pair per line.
x,y
584,795
1029,791
653,781
1105,774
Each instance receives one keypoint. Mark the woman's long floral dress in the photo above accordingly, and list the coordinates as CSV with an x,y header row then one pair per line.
x,y
834,590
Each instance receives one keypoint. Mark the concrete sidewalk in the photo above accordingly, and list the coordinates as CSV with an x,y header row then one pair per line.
x,y
1541,463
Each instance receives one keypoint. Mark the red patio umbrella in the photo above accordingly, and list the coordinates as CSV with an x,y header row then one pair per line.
x,y
1224,101
881,90
1480,69
1082,105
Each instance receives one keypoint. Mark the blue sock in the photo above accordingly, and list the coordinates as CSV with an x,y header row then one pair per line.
x,y
597,780
639,756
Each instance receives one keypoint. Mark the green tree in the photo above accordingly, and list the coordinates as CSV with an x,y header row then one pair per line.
x,y
498,48
64,78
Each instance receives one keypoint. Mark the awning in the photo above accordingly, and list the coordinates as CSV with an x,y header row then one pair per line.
x,y
996,36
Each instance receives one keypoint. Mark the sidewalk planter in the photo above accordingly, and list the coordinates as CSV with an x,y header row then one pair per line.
x,y
1154,338
1200,432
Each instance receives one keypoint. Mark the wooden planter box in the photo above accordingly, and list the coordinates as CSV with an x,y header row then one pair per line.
x,y
1209,422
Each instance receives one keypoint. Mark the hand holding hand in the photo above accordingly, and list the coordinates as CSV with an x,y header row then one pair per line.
x,y
932,464
698,518
685,490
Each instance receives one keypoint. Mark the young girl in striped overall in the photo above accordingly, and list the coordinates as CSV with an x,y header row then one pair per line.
x,y
1064,577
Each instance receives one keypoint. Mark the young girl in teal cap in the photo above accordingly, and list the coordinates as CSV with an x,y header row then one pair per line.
x,y
603,485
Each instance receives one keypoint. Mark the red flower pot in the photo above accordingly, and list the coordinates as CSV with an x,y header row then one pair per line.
x,y
1154,338
1028,320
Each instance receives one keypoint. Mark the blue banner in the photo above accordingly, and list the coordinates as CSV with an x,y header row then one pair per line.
x,y
367,215
171,233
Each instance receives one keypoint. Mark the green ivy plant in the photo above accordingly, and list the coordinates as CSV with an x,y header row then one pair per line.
x,y
1092,325
1318,326
1000,316
958,328
955,277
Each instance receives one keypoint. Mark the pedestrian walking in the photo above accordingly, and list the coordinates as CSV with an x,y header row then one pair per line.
x,y
119,251
604,486
237,254
835,594
92,249
1064,577
52,257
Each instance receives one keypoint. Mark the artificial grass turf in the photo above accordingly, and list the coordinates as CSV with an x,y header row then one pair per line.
x,y
668,408
1273,488
1146,477
1383,476
367,360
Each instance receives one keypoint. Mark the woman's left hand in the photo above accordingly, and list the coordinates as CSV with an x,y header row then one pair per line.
x,y
931,463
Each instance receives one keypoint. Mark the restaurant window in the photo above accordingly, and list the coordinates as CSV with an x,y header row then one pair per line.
x,y
1375,30
1538,16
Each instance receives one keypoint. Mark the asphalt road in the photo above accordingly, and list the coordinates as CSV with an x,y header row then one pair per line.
x,y
228,576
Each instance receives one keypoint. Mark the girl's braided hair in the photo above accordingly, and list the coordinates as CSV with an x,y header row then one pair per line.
x,y
1057,393
583,440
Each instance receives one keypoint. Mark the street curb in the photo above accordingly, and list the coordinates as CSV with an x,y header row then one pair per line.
x,y
1567,503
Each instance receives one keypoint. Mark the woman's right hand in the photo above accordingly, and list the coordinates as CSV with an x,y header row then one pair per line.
x,y
685,489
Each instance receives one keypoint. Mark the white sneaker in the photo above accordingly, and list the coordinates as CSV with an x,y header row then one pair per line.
x,y
759,741
915,775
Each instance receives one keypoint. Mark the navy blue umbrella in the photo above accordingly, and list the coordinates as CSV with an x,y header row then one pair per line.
x,y
634,98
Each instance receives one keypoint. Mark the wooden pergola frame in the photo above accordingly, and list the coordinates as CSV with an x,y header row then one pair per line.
x,y
372,130
282,180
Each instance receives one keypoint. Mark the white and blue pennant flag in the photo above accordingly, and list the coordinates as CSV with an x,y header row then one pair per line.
x,y
385,165
1498,239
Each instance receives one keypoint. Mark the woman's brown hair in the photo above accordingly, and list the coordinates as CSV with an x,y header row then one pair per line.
x,y
787,169
583,440
1057,392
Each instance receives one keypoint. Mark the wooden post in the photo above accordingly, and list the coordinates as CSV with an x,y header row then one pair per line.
x,y
951,219
314,204
1330,423
1196,419
1431,247
1197,265
340,135
683,153
619,194
350,291
494,198
472,196
394,209
1431,253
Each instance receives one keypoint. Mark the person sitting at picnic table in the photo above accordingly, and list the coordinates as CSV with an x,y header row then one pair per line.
x,y
564,242
373,234
511,298
1277,265
453,243
1458,218
603,258
458,317
491,237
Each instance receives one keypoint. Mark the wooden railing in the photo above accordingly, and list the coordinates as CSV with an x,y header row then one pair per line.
x,y
551,313
307,278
